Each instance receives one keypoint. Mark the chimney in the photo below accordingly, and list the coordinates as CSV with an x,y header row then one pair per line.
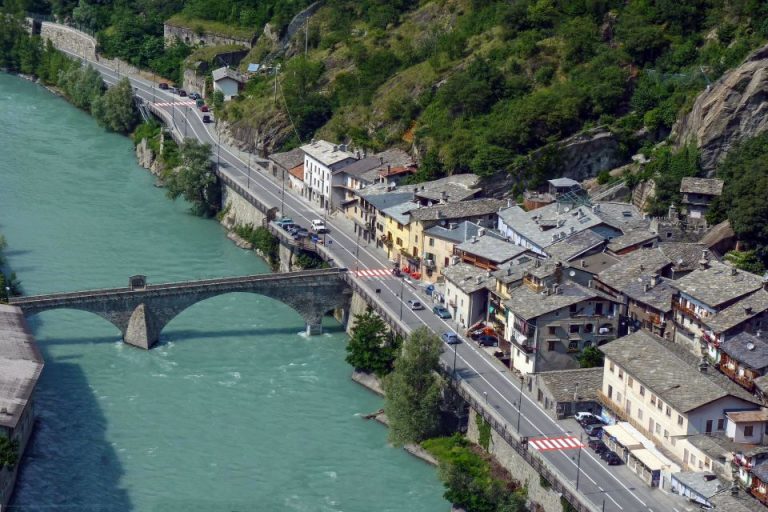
x,y
747,310
444,196
583,264
478,279
509,273
704,261
452,225
703,365
481,232
573,229
381,160
488,273
556,289
509,203
734,271
389,169
335,147
654,280
646,287
474,239
357,154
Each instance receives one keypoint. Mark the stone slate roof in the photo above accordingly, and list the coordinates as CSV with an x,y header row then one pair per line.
x,y
716,445
718,234
595,263
671,372
225,72
705,484
386,200
747,349
739,312
460,210
717,284
685,256
513,270
458,187
706,186
633,237
761,471
468,278
325,152
562,384
361,166
288,159
399,212
658,296
742,502
20,365
572,246
563,182
491,247
463,231
635,265
528,304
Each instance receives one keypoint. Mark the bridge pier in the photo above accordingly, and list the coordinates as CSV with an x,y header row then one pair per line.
x,y
143,329
314,328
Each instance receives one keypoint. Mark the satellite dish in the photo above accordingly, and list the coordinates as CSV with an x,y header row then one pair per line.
x,y
750,346
572,273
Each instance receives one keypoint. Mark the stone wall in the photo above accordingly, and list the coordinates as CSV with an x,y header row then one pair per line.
x,y
69,39
191,37
240,211
193,82
547,499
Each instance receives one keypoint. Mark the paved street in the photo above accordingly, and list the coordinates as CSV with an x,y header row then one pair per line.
x,y
613,488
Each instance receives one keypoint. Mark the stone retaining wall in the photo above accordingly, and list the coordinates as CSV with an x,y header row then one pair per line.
x,y
240,211
547,499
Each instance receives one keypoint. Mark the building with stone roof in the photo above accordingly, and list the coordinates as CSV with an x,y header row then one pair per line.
x,y
669,395
488,250
563,393
698,194
466,292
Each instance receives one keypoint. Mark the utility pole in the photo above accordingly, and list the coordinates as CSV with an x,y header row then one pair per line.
x,y
282,196
520,404
578,464
453,374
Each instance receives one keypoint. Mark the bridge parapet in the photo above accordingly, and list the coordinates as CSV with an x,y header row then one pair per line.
x,y
141,313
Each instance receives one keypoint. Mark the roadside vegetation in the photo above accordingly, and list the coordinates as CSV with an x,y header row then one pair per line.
x,y
194,179
10,286
262,240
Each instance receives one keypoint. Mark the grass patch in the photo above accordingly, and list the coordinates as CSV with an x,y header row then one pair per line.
x,y
208,53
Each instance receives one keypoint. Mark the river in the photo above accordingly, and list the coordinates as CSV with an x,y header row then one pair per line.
x,y
235,409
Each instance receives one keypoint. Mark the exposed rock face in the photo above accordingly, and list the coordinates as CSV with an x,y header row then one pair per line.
x,y
262,133
581,156
731,110
147,158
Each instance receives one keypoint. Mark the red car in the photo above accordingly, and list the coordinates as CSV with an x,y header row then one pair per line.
x,y
204,108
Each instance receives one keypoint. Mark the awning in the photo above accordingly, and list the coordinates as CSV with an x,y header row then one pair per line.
x,y
622,437
648,459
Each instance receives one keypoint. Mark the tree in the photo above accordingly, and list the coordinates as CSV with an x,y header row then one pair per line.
x,y
591,357
82,85
371,348
9,452
414,389
115,110
194,179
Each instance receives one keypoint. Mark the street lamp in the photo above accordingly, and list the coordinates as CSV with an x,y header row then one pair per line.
x,y
218,149
520,403
485,394
578,463
282,195
453,374
357,250
402,287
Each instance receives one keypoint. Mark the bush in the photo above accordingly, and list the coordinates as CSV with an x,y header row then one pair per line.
x,y
372,347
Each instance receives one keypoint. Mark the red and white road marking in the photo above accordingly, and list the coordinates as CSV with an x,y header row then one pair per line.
x,y
546,444
176,103
374,272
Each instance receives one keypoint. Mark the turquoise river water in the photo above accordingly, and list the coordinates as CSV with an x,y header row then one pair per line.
x,y
234,410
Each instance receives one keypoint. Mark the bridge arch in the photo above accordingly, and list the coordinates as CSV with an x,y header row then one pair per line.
x,y
141,314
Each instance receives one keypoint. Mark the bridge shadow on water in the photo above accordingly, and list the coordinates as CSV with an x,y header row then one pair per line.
x,y
69,464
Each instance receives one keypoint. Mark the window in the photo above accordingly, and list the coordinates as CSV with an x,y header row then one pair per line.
x,y
707,462
587,344
630,381
611,367
708,427
653,399
431,242
642,391
572,309
574,329
399,241
621,374
679,420
666,434
415,239
588,328
552,330
598,308
650,425
658,429
551,345
447,261
573,346
399,226
639,414
669,412
610,392
660,405
618,397
748,431
693,460
720,425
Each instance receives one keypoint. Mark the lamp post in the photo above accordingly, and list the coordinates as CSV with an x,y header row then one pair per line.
x,y
520,403
485,394
402,287
453,373
218,149
357,250
578,463
282,195
249,171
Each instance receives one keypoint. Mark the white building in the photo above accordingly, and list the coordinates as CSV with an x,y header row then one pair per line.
x,y
228,82
466,292
321,160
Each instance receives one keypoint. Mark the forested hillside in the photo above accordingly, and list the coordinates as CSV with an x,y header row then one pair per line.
x,y
473,85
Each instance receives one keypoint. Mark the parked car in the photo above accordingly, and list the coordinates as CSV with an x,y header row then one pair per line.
x,y
415,305
588,419
318,226
173,89
283,222
595,430
300,233
182,93
207,119
205,108
613,459
607,453
486,340
597,444
163,86
194,96
441,312
451,338
199,102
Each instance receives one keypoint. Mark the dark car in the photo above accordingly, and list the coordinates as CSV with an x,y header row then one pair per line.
x,y
606,454
597,444
300,233
613,460
163,86
207,119
194,96
486,340
595,430
441,312
182,92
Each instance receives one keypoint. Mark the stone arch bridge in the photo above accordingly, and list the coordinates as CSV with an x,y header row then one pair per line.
x,y
141,311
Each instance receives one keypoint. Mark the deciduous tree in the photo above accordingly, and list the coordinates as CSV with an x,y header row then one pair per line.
x,y
194,179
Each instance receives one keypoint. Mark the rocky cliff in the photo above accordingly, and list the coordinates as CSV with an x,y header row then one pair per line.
x,y
147,159
731,110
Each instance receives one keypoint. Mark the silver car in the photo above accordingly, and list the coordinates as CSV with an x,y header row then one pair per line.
x,y
415,305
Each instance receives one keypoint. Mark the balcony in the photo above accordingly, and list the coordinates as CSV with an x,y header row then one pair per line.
x,y
655,320
742,463
743,380
762,497
430,263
